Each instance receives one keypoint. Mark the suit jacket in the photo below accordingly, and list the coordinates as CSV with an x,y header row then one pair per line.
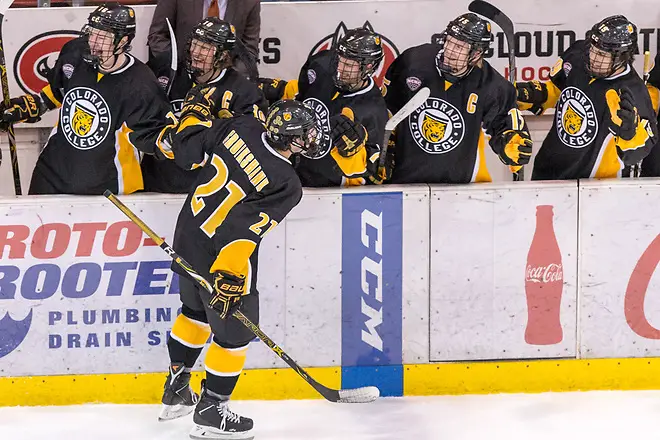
x,y
245,15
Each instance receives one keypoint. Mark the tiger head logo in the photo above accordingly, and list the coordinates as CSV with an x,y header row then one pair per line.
x,y
433,129
82,121
572,120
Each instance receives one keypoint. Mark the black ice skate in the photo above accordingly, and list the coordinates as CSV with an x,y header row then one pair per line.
x,y
178,398
214,420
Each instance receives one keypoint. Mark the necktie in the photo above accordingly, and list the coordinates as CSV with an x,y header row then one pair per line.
x,y
213,9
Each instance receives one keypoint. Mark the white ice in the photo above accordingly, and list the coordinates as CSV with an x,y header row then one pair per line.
x,y
557,416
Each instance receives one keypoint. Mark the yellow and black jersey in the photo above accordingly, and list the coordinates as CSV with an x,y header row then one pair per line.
x,y
580,143
106,123
366,106
232,92
244,188
651,164
444,140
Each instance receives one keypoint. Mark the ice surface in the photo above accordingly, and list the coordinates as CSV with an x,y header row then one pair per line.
x,y
556,416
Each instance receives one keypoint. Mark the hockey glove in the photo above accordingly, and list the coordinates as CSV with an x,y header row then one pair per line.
x,y
273,88
229,290
347,135
517,147
534,93
27,108
198,103
623,113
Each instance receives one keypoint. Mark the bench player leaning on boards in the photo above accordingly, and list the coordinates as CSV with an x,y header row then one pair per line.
x,y
246,186
339,85
604,119
208,62
444,140
111,111
651,163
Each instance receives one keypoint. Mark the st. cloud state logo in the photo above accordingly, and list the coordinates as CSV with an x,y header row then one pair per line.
x,y
437,126
575,118
85,118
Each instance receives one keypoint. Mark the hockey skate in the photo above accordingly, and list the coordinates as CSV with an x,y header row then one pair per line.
x,y
214,420
178,398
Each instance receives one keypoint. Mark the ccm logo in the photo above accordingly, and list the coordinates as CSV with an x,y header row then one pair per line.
x,y
371,277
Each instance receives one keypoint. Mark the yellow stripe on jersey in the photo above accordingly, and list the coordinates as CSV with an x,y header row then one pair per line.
x,y
608,164
351,166
221,361
48,92
654,93
234,258
189,332
482,174
356,181
448,85
127,162
189,121
291,89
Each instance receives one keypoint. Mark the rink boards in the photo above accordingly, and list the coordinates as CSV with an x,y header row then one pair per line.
x,y
416,289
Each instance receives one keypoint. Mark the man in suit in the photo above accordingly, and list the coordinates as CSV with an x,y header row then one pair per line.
x,y
245,15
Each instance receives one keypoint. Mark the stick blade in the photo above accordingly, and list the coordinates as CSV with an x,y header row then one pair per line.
x,y
175,50
4,6
420,98
359,395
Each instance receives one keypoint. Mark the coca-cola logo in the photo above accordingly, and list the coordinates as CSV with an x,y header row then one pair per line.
x,y
544,274
636,291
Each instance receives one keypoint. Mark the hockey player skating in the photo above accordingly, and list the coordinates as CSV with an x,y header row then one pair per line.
x,y
444,140
246,187
338,83
111,111
208,61
604,119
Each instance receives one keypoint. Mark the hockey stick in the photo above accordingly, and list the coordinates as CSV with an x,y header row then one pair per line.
x,y
354,395
4,6
174,64
413,104
499,18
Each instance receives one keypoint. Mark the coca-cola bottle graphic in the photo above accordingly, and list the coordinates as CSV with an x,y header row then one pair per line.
x,y
544,282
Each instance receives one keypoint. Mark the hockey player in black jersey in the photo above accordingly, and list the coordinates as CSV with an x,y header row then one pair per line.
x,y
208,62
444,140
111,111
338,84
246,186
604,119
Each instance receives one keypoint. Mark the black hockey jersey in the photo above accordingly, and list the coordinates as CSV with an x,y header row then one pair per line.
x,y
233,92
651,164
106,123
328,167
580,143
444,140
243,190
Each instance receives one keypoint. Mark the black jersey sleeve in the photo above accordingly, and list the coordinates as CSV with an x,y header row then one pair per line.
x,y
502,115
68,60
394,90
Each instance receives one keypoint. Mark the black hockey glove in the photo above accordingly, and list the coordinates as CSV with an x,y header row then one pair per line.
x,y
27,108
198,103
623,113
229,291
347,135
273,88
534,93
517,147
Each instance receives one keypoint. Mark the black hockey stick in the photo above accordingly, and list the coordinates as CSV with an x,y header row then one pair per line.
x,y
499,18
355,395
4,7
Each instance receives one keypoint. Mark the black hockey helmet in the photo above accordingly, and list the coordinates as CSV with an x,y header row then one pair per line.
x,y
615,35
361,45
293,123
468,28
111,17
216,32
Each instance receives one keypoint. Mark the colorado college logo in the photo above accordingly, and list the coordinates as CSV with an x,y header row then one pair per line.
x,y
575,118
437,126
84,118
390,51
37,56
323,115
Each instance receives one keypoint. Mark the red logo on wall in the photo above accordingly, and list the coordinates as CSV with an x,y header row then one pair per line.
x,y
37,56
636,291
389,49
544,282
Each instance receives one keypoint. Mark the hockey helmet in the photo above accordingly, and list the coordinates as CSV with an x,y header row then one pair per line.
x,y
115,18
468,28
291,123
216,32
612,45
362,46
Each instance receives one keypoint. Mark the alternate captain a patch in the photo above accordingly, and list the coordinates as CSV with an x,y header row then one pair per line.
x,y
85,118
